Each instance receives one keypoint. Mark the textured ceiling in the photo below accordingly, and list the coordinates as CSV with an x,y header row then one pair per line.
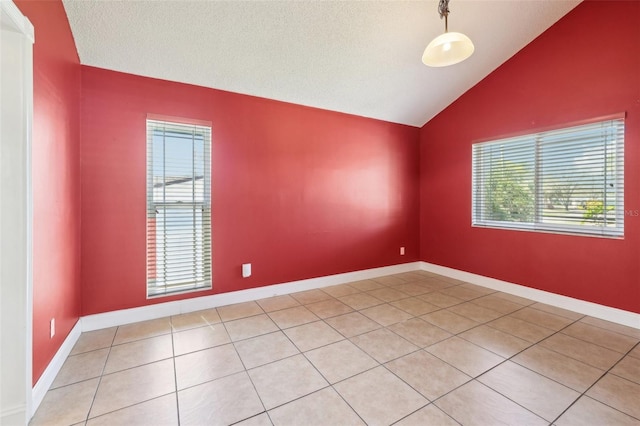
x,y
358,57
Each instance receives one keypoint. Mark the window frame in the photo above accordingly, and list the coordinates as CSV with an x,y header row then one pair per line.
x,y
193,128
478,197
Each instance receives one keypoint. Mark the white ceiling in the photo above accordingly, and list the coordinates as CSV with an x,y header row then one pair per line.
x,y
358,57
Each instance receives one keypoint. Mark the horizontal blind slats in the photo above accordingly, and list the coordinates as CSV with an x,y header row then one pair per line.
x,y
566,180
178,207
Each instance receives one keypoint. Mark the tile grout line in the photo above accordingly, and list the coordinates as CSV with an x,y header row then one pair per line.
x,y
584,394
422,408
419,347
233,342
432,402
382,327
330,385
583,341
93,400
610,330
379,364
175,372
594,343
475,378
126,369
246,372
549,378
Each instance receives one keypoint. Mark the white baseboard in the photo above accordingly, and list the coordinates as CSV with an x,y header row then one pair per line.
x,y
607,313
44,382
126,316
143,313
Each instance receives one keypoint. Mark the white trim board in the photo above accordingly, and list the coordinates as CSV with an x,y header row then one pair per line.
x,y
127,316
607,313
143,313
48,376
16,214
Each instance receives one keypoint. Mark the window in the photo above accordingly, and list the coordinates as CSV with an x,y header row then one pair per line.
x,y
568,180
178,207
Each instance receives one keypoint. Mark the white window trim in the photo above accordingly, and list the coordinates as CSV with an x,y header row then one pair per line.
x,y
616,232
195,285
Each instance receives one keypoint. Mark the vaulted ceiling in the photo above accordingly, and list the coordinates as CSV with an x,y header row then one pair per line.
x,y
357,57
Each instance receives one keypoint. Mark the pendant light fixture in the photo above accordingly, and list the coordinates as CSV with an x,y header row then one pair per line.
x,y
448,48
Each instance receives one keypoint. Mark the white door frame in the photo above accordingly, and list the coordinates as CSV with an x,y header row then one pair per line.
x,y
16,216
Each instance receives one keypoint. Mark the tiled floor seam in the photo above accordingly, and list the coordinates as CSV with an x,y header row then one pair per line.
x,y
475,378
331,385
246,371
505,396
584,394
609,330
129,406
593,343
421,408
348,338
144,338
255,389
533,343
412,387
585,341
453,335
521,351
487,324
347,402
93,400
514,355
175,375
581,394
394,284
249,418
515,402
441,396
628,354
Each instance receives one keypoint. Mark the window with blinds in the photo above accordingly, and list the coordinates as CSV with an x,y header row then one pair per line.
x,y
178,207
568,180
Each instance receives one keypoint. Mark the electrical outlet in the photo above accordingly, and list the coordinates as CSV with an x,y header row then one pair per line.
x,y
246,270
402,251
52,327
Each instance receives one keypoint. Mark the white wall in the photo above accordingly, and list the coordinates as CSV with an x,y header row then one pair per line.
x,y
16,100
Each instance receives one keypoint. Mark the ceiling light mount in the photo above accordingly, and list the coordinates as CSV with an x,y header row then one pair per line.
x,y
448,48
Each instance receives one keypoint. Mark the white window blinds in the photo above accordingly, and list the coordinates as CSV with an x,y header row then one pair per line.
x,y
178,207
569,180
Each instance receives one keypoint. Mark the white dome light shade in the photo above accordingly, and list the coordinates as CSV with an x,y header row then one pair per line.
x,y
447,49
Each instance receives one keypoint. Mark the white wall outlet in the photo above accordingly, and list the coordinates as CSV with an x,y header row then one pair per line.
x,y
402,251
246,270
52,328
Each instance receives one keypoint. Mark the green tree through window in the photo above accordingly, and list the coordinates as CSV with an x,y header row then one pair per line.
x,y
510,193
569,180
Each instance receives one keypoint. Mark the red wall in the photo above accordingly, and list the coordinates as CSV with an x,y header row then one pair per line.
x,y
298,192
301,192
56,179
585,66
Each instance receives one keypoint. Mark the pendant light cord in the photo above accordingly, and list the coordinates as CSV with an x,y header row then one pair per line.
x,y
443,10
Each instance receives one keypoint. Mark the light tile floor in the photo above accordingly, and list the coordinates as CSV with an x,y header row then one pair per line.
x,y
407,349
